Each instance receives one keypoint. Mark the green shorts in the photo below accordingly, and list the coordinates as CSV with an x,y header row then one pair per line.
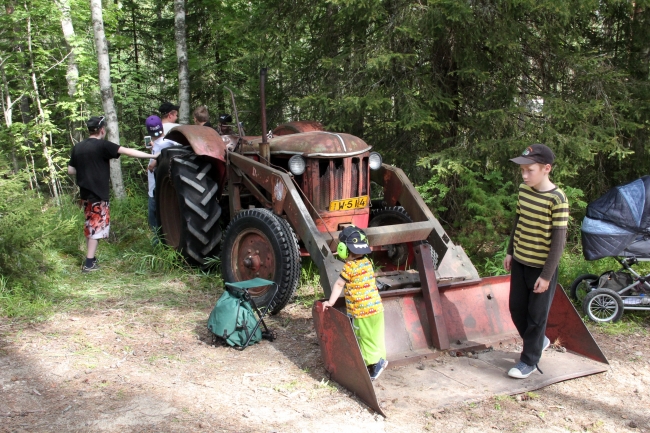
x,y
370,335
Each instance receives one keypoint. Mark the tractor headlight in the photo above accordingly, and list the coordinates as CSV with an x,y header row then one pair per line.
x,y
374,161
297,165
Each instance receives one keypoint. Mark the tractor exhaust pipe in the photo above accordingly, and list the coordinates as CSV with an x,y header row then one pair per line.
x,y
265,151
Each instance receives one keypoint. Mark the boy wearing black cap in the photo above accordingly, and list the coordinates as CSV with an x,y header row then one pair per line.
x,y
169,115
362,299
90,162
534,252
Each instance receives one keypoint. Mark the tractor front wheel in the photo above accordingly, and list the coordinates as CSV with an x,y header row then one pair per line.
x,y
258,243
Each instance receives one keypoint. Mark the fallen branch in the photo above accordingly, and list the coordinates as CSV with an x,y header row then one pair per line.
x,y
22,413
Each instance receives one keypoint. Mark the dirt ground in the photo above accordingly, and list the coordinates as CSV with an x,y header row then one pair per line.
x,y
153,369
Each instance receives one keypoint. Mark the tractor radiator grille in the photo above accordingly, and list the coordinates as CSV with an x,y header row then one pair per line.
x,y
335,177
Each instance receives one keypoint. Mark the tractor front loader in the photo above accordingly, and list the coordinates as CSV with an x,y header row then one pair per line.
x,y
262,204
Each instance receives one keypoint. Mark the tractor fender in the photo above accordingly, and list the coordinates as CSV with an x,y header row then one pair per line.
x,y
204,141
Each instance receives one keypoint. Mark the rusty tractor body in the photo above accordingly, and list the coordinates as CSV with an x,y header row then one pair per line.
x,y
289,196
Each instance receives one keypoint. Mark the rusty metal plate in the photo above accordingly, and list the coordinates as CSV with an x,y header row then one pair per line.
x,y
341,354
476,318
405,333
446,380
476,312
566,326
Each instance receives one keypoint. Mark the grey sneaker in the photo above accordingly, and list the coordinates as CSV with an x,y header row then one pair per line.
x,y
376,369
85,269
522,370
547,343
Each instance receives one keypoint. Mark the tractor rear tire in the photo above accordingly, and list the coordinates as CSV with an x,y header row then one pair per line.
x,y
258,243
187,204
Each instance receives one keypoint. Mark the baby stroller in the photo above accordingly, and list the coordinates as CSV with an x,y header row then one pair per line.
x,y
616,225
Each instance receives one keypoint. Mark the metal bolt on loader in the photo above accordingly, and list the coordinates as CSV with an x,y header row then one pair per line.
x,y
289,196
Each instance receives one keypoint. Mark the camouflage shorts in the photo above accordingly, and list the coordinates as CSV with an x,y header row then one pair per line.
x,y
98,219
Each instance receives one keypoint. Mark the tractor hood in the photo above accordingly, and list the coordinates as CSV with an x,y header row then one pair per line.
x,y
317,144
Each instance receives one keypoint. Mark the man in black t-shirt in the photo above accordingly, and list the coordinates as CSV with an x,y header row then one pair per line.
x,y
90,161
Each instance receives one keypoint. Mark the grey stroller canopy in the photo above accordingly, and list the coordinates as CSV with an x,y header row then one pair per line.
x,y
618,223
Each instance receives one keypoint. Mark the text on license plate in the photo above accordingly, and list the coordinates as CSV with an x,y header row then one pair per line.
x,y
350,203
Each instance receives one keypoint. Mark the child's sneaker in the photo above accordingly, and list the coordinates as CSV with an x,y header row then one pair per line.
x,y
547,343
95,267
522,370
376,369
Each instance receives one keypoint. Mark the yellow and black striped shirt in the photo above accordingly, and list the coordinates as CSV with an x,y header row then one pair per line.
x,y
539,213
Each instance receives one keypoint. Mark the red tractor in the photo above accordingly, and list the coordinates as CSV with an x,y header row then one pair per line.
x,y
289,196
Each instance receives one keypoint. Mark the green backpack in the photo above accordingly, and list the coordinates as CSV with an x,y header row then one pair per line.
x,y
233,320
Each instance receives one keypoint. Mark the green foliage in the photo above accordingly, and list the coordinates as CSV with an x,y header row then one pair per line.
x,y
481,199
162,259
447,90
493,266
467,86
28,226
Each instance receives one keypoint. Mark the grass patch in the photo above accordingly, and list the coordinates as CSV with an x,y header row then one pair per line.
x,y
633,322
287,387
326,385
134,272
309,289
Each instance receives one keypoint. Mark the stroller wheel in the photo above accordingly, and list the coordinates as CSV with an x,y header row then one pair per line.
x,y
582,285
603,305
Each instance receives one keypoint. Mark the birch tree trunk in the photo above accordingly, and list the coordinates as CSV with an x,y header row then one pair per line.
x,y
181,55
8,110
26,117
72,76
41,115
112,130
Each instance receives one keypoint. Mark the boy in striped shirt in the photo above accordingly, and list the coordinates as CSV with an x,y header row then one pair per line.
x,y
536,244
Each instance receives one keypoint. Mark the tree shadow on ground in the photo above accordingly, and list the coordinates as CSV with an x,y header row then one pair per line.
x,y
44,391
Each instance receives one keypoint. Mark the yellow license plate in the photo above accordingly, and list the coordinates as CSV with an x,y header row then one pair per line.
x,y
349,204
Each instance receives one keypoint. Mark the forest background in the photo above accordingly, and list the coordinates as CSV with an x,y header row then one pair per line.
x,y
447,90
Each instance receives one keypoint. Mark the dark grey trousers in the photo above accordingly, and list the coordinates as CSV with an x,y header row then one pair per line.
x,y
529,311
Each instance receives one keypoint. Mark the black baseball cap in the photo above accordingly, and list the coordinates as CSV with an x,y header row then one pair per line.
x,y
535,154
355,239
95,122
167,107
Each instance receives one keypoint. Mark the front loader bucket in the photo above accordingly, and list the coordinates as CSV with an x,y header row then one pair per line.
x,y
469,321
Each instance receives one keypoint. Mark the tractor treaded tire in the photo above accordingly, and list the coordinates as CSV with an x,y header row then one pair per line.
x,y
392,215
282,240
399,212
607,304
394,210
573,290
200,232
